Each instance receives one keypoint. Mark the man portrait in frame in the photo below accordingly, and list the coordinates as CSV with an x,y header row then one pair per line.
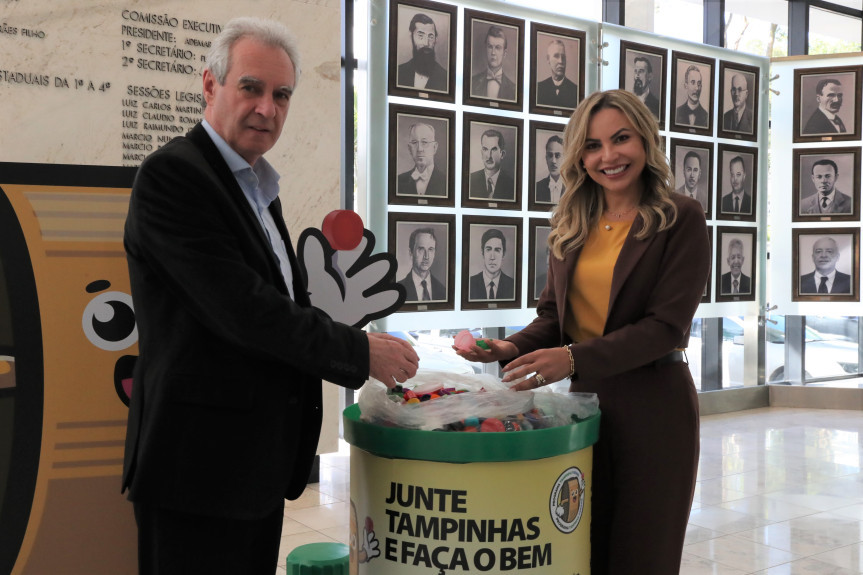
x,y
692,170
737,178
557,61
643,74
423,246
736,264
491,159
739,89
828,183
693,94
825,108
493,252
540,260
826,256
494,61
423,156
548,158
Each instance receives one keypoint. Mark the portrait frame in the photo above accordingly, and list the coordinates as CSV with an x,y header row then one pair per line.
x,y
477,25
540,132
680,148
541,36
748,238
401,13
802,261
725,154
680,62
400,189
708,286
473,228
805,85
846,185
725,123
400,225
472,194
657,59
538,230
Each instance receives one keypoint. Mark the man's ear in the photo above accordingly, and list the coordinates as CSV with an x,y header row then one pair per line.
x,y
209,85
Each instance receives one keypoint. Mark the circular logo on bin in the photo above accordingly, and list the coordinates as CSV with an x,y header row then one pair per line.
x,y
566,503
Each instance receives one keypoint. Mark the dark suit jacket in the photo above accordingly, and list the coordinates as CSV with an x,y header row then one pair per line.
x,y
543,190
503,190
841,283
681,116
729,121
479,84
652,103
226,406
565,96
437,79
504,287
728,204
841,204
745,286
437,291
405,184
819,124
700,195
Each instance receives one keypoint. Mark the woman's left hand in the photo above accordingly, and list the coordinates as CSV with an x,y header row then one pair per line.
x,y
547,365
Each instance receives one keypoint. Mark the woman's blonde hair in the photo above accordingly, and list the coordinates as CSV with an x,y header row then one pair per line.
x,y
582,202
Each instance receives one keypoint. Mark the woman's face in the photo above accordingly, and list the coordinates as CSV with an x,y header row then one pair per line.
x,y
614,154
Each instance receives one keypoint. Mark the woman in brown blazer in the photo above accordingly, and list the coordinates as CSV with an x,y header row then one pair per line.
x,y
629,261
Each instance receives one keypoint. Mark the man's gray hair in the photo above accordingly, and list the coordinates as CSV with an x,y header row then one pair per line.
x,y
267,32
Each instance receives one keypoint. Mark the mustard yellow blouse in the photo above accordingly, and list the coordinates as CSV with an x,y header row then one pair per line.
x,y
590,288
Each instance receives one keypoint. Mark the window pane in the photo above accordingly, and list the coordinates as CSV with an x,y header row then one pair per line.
x,y
683,19
855,4
757,27
584,9
831,346
832,33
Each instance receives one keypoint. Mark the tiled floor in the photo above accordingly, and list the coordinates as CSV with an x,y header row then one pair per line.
x,y
780,492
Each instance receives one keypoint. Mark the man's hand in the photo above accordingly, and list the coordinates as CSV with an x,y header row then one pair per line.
x,y
391,360
498,350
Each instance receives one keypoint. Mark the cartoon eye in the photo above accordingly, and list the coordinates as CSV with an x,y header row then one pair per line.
x,y
109,321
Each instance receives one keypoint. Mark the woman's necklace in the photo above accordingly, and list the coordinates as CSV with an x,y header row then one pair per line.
x,y
618,215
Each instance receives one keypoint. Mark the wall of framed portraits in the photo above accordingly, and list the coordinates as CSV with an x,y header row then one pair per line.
x,y
467,103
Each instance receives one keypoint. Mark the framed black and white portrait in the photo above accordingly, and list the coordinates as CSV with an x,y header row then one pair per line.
x,y
735,262
827,104
556,70
546,159
692,93
737,182
422,144
828,184
493,60
738,101
422,49
825,264
538,253
708,287
491,168
491,262
424,247
643,72
692,164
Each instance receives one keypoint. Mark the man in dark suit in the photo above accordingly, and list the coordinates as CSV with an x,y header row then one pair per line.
x,y
691,112
826,199
824,120
549,189
424,179
493,83
491,283
826,278
642,70
492,182
420,284
735,281
737,201
422,71
557,91
226,404
692,172
739,117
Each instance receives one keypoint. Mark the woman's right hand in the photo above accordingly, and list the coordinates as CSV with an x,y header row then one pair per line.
x,y
498,350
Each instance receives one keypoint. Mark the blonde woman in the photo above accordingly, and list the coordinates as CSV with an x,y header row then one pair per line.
x,y
629,261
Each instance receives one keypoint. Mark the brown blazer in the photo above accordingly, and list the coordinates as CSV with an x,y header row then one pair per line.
x,y
656,287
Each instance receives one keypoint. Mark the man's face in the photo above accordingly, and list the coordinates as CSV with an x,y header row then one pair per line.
x,y
824,178
422,146
424,36
735,260
492,154
830,98
691,172
250,109
825,254
553,158
556,56
738,177
492,254
692,83
495,51
422,257
642,78
739,93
